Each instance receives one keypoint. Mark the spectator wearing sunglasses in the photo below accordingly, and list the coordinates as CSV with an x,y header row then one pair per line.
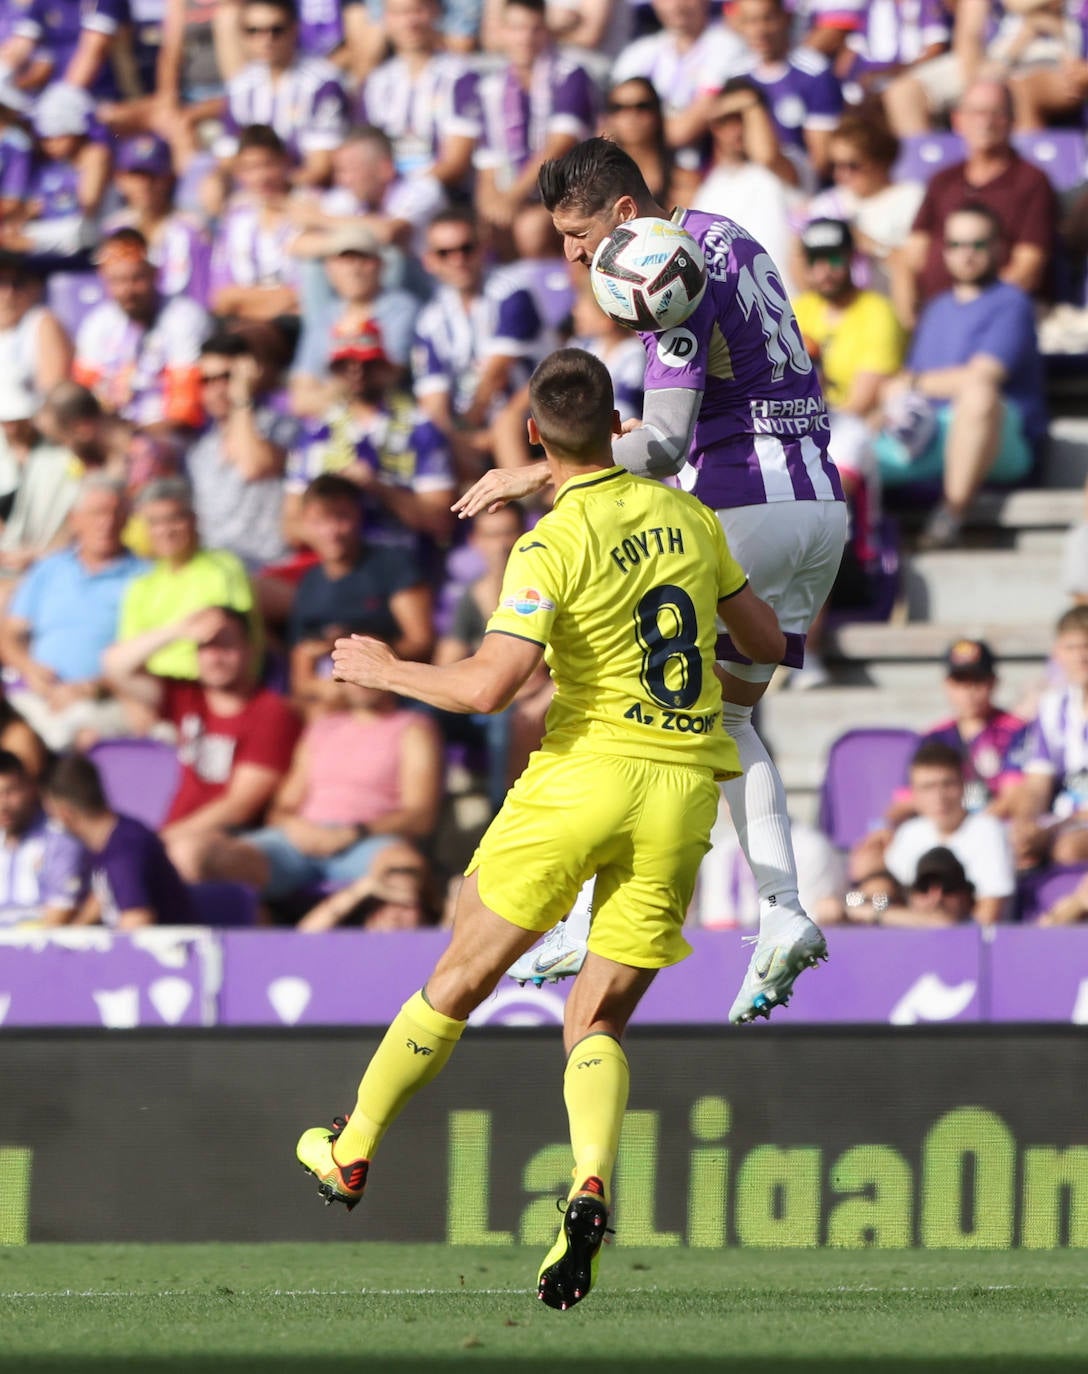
x,y
476,341
300,97
635,121
974,366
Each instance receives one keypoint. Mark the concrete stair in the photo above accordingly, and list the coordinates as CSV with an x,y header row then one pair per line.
x,y
1005,587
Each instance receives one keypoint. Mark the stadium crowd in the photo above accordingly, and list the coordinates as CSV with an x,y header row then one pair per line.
x,y
273,277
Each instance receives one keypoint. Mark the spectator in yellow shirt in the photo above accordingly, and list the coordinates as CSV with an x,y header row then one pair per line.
x,y
185,578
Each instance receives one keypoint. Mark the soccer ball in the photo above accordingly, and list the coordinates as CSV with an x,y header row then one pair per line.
x,y
648,274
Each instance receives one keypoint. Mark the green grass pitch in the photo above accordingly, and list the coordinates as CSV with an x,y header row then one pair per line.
x,y
338,1307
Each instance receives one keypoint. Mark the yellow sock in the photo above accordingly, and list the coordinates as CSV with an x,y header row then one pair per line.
x,y
416,1046
595,1088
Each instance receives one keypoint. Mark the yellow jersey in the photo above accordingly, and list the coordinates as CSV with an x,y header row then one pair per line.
x,y
865,337
620,583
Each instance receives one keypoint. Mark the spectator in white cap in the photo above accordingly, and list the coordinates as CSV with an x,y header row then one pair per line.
x,y
38,485
67,180
35,352
352,261
176,243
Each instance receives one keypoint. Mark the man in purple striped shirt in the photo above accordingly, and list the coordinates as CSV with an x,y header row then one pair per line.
x,y
732,394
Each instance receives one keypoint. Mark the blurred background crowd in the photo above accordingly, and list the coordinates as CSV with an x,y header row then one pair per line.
x,y
273,276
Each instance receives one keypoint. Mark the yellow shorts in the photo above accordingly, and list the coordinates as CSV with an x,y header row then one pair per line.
x,y
641,827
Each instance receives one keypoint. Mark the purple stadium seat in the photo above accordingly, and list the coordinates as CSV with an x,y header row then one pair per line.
x,y
921,155
1060,153
1037,892
864,767
224,904
72,296
140,777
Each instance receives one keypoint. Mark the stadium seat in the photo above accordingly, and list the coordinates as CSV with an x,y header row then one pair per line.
x,y
224,904
864,767
1038,891
921,155
140,777
72,296
1060,153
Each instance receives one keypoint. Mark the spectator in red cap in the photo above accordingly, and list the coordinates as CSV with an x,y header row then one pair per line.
x,y
352,260
376,436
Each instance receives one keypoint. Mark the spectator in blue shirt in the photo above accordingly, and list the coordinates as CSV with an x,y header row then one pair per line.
x,y
972,393
63,615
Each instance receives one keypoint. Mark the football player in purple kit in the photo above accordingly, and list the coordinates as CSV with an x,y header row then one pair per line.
x,y
733,393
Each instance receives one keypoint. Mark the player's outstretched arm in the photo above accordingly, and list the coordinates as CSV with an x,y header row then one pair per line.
x,y
753,626
485,682
499,487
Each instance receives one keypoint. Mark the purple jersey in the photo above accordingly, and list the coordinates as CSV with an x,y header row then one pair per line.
x,y
15,163
1057,747
305,105
418,110
133,872
247,253
400,445
454,340
990,758
56,26
39,869
897,32
762,430
801,93
518,122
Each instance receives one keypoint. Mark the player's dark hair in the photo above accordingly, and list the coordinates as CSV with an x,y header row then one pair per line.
x,y
222,344
287,7
591,177
1073,621
455,215
571,400
329,488
11,765
934,753
262,136
74,779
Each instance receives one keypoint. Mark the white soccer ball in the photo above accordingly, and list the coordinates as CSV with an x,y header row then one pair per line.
x,y
648,274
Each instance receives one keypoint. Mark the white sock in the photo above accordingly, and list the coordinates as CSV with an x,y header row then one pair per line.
x,y
581,913
757,801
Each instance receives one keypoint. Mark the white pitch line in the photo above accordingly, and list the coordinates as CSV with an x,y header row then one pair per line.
x,y
488,1292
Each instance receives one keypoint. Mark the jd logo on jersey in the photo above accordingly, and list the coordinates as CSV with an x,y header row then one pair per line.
x,y
676,347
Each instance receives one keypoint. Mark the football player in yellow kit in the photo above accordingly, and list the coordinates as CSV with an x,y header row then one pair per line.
x,y
619,588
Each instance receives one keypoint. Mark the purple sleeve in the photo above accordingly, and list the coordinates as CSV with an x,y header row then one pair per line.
x,y
127,871
1038,757
327,124
1009,335
678,357
933,22
14,168
434,464
517,319
825,99
303,460
467,116
61,876
429,372
574,105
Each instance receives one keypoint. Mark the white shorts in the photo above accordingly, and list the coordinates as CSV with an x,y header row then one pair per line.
x,y
791,551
